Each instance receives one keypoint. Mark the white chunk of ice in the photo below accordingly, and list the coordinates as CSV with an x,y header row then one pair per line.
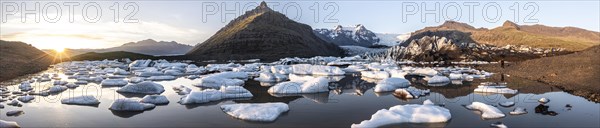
x,y
145,87
410,113
391,84
130,104
113,82
255,111
155,99
487,111
81,100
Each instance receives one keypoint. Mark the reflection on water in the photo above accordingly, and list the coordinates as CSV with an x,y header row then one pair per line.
x,y
350,100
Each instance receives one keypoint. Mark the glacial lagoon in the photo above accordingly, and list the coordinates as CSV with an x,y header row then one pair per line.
x,y
350,100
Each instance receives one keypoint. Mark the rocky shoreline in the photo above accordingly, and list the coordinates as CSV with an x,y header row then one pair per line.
x,y
576,73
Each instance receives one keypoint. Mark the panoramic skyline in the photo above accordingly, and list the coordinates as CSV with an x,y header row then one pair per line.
x,y
185,21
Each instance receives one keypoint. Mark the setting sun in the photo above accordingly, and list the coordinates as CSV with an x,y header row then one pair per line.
x,y
59,50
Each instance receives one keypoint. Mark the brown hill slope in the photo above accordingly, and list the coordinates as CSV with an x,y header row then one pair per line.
x,y
570,38
578,73
18,58
264,34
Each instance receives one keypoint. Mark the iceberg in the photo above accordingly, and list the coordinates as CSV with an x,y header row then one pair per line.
x,y
145,87
60,82
487,111
410,93
518,111
26,98
235,92
307,69
495,89
391,84
223,79
438,80
375,74
81,100
56,89
130,104
271,77
163,77
136,79
455,76
506,104
182,90
25,86
425,72
8,124
155,99
15,113
265,112
203,96
113,82
314,85
410,113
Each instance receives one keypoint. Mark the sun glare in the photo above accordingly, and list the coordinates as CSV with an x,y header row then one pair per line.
x,y
59,50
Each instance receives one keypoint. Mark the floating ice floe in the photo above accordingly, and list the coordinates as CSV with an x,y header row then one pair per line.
x,y
487,111
410,113
209,95
455,76
130,104
163,77
425,72
355,68
155,99
518,111
145,87
60,82
544,100
72,85
498,125
14,113
495,89
314,85
391,84
14,102
182,90
255,111
1,106
281,69
119,71
375,74
307,69
26,98
25,86
506,104
271,77
136,79
113,82
8,124
438,80
81,100
56,89
410,93
223,79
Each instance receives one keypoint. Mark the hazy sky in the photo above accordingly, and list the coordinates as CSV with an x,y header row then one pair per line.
x,y
192,22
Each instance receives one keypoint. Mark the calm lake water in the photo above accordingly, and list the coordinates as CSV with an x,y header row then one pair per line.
x,y
351,100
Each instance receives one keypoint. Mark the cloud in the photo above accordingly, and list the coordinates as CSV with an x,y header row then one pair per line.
x,y
46,35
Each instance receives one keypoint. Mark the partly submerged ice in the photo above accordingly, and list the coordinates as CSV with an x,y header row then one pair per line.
x,y
307,69
155,99
410,113
113,82
81,100
487,111
8,124
255,111
145,87
130,104
223,79
209,95
310,85
495,89
391,84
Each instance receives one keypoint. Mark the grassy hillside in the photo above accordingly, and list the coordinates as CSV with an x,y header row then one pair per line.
x,y
18,58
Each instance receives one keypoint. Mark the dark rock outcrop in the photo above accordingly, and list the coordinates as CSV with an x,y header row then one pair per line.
x,y
264,34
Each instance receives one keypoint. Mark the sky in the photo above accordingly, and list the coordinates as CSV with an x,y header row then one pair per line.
x,y
78,24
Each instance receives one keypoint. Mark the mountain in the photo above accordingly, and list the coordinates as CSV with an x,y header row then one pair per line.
x,y
111,56
536,36
358,35
18,58
454,45
264,34
148,47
